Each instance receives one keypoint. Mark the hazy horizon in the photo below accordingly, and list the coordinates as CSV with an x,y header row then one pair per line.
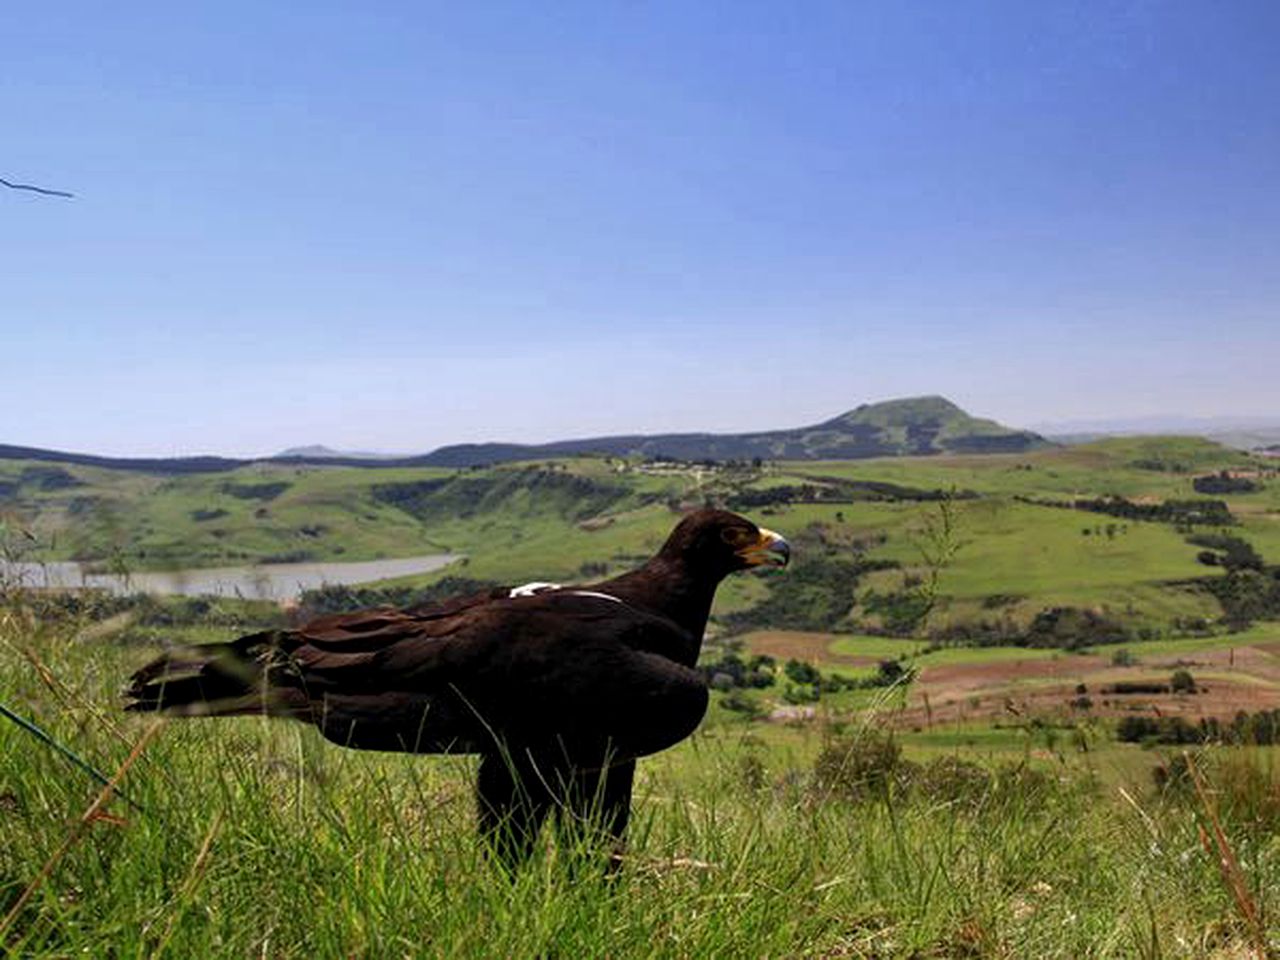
x,y
394,228
1170,424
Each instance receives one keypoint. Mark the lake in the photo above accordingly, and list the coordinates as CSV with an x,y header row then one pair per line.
x,y
267,581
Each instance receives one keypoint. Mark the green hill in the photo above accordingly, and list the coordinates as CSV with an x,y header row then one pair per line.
x,y
915,426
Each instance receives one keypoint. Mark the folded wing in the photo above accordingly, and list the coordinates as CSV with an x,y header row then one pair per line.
x,y
575,673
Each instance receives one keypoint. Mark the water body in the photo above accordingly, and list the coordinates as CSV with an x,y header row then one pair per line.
x,y
267,581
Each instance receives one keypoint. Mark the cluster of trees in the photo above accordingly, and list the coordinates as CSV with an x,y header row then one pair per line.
x,y
1246,595
1185,513
41,478
805,683
731,671
784,494
1110,530
1159,465
840,490
267,490
1259,729
900,611
1248,590
808,683
1224,550
1217,484
817,593
1073,628
1062,628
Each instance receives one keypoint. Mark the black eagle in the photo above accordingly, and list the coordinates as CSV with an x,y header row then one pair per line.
x,y
558,689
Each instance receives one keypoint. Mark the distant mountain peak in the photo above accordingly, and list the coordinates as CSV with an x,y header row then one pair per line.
x,y
318,451
909,426
902,410
312,450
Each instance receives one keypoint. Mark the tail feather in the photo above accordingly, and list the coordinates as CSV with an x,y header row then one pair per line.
x,y
247,676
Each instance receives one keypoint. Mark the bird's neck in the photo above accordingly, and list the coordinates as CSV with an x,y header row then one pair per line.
x,y
664,586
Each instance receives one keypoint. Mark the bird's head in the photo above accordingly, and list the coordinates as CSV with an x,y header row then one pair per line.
x,y
717,543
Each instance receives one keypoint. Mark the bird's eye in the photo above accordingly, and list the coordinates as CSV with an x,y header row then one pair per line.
x,y
736,536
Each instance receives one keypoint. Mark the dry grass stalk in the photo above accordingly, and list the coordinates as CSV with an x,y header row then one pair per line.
x,y
1228,864
189,885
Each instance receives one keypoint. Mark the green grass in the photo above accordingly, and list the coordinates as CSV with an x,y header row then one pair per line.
x,y
259,839
882,648
313,851
1096,469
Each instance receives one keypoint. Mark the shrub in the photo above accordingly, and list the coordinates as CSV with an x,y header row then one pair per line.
x,y
1071,628
202,515
800,694
721,681
739,702
752,772
1173,775
800,671
890,672
953,780
1182,682
1138,686
1171,730
857,767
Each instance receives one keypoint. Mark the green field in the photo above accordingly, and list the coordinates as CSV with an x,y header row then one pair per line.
x,y
259,839
256,838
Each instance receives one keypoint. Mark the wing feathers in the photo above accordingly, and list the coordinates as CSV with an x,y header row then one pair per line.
x,y
577,669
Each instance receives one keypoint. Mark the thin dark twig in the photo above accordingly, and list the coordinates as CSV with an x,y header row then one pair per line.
x,y
84,765
35,189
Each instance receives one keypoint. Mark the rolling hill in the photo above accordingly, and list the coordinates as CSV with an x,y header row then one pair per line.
x,y
910,427
915,426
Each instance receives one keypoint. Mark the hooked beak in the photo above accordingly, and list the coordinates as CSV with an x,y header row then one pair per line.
x,y
771,549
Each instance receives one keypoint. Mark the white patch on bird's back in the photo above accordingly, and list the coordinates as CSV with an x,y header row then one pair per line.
x,y
593,593
538,588
533,589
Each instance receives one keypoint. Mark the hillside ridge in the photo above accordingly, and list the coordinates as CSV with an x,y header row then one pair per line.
x,y
910,426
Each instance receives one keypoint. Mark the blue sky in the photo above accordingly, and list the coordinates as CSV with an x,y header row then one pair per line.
x,y
397,225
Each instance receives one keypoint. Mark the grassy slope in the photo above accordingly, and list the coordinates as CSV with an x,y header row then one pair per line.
x,y
259,839
152,522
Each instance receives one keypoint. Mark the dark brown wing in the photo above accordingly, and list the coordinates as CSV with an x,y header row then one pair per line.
x,y
586,674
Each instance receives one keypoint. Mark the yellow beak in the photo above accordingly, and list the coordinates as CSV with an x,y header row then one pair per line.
x,y
771,549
